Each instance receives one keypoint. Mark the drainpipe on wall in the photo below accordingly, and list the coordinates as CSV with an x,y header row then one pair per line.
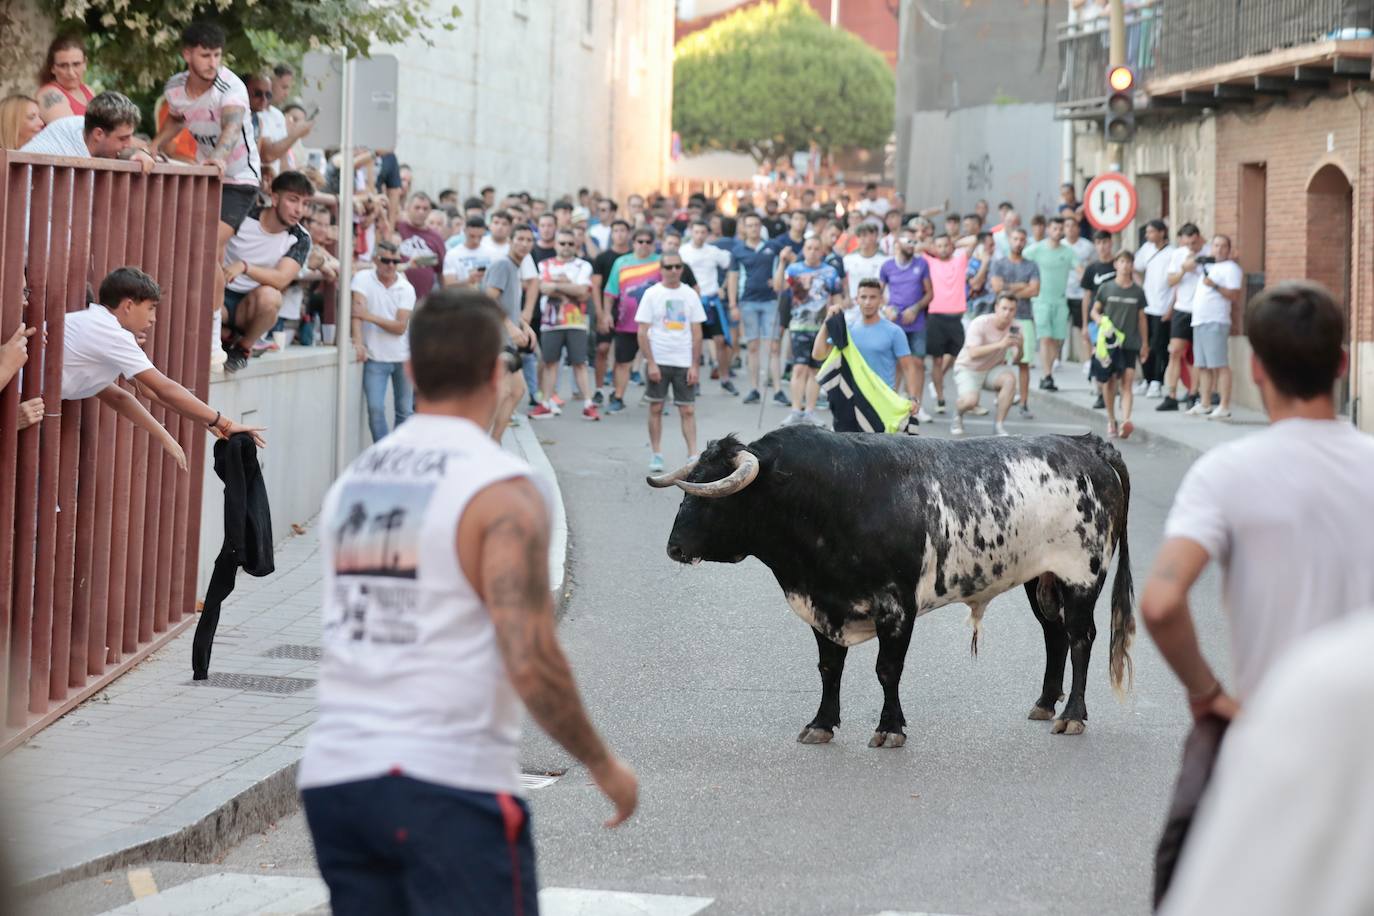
x,y
1357,283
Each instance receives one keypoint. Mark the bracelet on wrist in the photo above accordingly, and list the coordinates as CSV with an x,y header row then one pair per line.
x,y
213,423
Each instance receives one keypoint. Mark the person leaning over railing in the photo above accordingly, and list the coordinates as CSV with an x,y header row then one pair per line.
x,y
105,131
99,346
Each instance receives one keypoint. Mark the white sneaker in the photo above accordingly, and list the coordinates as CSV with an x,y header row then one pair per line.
x,y
1141,386
956,426
794,417
1154,390
1198,410
923,417
1220,413
1001,430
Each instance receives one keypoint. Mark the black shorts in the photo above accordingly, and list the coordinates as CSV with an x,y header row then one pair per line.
x,y
235,200
944,335
1121,360
802,342
674,377
1181,326
626,346
232,298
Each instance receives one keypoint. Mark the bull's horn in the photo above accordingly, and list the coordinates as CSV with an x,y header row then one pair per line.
x,y
667,480
746,469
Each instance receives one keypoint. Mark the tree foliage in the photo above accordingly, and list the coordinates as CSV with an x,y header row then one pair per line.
x,y
135,45
773,77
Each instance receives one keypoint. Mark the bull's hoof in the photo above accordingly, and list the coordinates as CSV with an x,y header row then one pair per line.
x,y
813,735
1067,727
887,739
1041,714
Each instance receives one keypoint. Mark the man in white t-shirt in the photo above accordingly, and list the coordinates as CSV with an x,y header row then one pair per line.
x,y
708,263
1152,273
1183,276
99,346
105,131
565,293
466,263
262,259
872,207
438,634
1287,513
383,301
1288,823
670,317
1218,290
863,263
275,136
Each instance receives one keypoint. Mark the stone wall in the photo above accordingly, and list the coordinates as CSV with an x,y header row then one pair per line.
x,y
538,96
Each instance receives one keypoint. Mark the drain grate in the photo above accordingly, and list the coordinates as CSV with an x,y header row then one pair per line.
x,y
292,650
257,683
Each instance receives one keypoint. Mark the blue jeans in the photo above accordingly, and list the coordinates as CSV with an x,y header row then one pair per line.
x,y
398,845
375,376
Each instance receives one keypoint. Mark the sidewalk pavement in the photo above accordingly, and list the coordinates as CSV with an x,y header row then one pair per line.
x,y
1193,434
160,767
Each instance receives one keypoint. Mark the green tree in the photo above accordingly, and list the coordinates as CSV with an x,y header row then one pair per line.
x,y
135,44
773,77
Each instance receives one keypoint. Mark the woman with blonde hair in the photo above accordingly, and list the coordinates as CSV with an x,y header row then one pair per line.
x,y
62,89
19,121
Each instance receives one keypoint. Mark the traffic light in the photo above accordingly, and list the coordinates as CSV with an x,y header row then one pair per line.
x,y
1118,126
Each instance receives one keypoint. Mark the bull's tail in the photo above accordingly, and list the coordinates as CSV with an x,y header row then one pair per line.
x,y
1123,590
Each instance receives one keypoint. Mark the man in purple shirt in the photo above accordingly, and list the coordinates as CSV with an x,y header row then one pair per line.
x,y
906,280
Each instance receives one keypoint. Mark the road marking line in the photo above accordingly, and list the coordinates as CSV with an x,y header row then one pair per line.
x,y
231,894
571,901
141,883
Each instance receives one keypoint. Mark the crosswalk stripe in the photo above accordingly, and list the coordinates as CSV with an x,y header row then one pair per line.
x,y
571,901
231,895
141,883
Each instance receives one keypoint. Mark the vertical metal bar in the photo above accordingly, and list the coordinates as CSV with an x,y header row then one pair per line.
x,y
343,352
174,265
125,636
26,643
74,525
143,231
13,206
205,226
103,636
185,344
52,631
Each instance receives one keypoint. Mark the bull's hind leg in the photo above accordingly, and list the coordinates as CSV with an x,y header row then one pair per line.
x,y
1081,630
1056,650
894,636
822,728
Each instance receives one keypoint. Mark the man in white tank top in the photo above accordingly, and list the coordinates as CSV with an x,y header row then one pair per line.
x,y
438,626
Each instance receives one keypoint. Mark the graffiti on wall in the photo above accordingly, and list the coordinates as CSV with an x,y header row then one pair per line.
x,y
980,174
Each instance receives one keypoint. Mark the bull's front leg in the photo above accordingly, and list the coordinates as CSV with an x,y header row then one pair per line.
x,y
894,636
822,728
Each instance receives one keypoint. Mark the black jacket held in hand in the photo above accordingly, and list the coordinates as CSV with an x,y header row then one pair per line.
x,y
247,537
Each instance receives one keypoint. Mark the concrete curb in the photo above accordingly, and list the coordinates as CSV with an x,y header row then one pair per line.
x,y
196,829
524,441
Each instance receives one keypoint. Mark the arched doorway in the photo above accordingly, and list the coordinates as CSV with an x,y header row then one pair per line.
x,y
1330,235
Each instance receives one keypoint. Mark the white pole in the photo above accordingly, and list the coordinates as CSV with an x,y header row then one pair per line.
x,y
342,313
834,13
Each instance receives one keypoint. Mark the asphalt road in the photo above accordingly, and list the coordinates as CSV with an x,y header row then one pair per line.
x,y
701,678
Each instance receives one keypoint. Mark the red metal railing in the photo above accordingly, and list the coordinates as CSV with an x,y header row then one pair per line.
x,y
99,530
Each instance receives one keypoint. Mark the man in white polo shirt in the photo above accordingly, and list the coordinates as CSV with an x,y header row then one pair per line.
x,y
99,346
383,301
1218,289
105,131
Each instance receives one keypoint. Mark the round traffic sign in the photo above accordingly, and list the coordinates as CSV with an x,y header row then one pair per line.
x,y
1110,201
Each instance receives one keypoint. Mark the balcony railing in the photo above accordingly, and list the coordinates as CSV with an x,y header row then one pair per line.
x,y
1170,41
99,530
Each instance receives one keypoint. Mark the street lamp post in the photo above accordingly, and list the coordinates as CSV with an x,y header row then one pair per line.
x,y
343,311
1116,56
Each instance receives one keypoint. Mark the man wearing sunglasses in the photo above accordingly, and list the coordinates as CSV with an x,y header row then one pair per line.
x,y
383,301
631,276
565,288
670,316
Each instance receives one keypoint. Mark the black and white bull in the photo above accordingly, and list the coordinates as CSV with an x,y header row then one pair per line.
x,y
866,532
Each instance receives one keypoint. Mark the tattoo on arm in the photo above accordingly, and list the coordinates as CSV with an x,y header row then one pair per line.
x,y
515,573
50,98
231,132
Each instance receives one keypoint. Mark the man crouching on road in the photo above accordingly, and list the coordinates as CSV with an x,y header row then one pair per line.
x,y
438,622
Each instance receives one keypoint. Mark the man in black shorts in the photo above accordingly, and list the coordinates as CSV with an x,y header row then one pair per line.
x,y
1184,274
669,316
1119,311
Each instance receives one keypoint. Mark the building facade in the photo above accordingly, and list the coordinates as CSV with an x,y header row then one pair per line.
x,y
1253,122
539,96
976,85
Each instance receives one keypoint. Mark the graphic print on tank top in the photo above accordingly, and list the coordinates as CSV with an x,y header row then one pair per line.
x,y
376,558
